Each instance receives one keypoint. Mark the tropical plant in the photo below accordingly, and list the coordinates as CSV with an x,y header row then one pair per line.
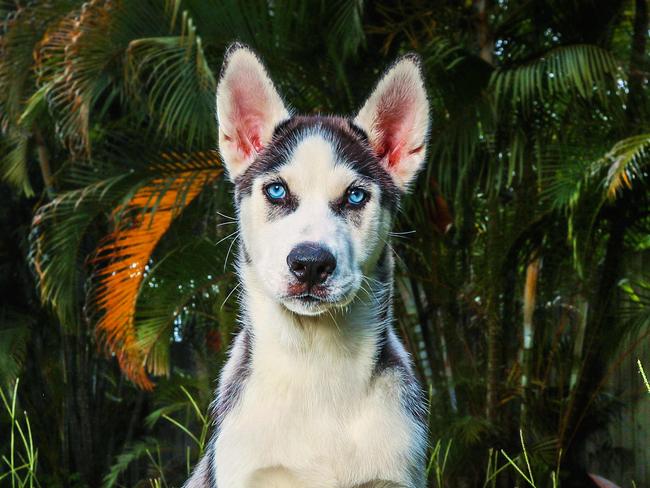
x,y
520,258
19,465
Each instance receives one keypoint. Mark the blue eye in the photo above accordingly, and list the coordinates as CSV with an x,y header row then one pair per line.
x,y
276,191
356,196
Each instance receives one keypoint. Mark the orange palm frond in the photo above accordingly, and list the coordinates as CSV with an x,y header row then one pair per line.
x,y
122,260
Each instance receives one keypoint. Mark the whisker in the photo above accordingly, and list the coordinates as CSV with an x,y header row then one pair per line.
x,y
392,249
369,278
225,264
226,216
336,324
227,237
404,235
372,297
229,294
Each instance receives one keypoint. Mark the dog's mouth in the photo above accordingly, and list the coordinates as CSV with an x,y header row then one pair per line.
x,y
309,298
302,293
315,301
309,303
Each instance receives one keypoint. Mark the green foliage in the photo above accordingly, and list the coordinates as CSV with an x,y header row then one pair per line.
x,y
643,375
136,451
16,330
19,464
538,151
626,161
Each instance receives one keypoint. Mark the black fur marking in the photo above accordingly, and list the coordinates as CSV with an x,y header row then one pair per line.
x,y
389,359
230,392
387,356
383,269
209,452
351,144
244,253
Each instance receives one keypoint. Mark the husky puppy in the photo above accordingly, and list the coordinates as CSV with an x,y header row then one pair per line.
x,y
318,391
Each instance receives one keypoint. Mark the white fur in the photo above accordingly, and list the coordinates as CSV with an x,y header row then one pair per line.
x,y
311,415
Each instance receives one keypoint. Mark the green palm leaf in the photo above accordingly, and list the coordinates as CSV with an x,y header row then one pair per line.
x,y
585,70
171,295
626,163
177,83
13,163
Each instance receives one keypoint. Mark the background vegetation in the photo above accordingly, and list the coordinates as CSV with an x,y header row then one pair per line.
x,y
523,279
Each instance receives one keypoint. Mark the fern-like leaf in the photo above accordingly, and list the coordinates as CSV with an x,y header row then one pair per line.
x,y
122,259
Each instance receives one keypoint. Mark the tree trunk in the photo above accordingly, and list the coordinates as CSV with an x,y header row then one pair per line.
x,y
530,295
637,76
494,326
449,373
494,347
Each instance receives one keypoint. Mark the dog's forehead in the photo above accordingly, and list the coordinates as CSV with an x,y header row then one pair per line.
x,y
319,149
316,167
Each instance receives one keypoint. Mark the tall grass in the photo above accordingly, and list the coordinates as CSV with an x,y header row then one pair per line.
x,y
22,459
498,463
149,448
643,375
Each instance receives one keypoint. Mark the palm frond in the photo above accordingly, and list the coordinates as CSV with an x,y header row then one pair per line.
x,y
16,331
60,229
20,31
75,80
123,257
625,163
583,69
346,30
56,237
171,294
13,163
81,62
177,82
635,310
129,455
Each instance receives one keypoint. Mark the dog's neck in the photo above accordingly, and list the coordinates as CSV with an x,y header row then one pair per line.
x,y
349,333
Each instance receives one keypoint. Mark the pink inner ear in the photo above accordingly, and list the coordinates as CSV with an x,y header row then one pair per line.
x,y
394,122
248,114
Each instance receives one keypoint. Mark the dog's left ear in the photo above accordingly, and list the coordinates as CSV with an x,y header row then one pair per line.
x,y
396,119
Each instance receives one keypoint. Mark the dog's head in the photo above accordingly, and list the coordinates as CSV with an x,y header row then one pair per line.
x,y
316,194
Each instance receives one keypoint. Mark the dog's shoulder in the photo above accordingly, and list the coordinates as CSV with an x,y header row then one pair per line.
x,y
233,375
394,369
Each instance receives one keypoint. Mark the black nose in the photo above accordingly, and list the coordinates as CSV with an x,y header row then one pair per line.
x,y
311,263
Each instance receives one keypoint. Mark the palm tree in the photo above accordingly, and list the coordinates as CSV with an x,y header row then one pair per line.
x,y
536,185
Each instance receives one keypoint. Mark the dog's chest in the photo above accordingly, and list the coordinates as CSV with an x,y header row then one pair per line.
x,y
325,419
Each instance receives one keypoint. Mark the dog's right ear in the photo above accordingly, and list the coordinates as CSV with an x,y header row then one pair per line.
x,y
248,108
